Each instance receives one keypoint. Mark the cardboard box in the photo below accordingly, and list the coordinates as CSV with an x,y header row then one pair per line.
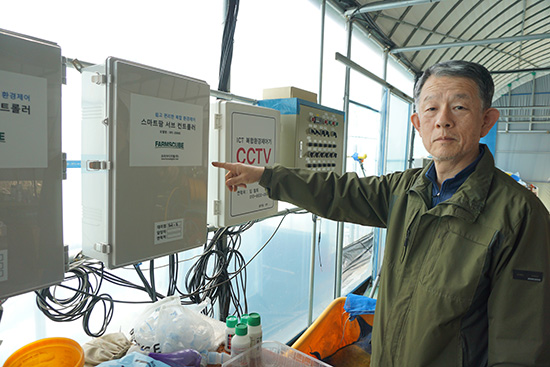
x,y
289,92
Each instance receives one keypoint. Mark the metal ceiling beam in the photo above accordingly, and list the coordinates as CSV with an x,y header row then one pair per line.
x,y
524,122
471,43
517,71
352,65
383,5
522,107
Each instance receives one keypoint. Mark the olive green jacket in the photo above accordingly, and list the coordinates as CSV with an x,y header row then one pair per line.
x,y
465,283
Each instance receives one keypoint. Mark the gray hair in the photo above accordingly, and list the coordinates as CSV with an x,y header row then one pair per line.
x,y
458,68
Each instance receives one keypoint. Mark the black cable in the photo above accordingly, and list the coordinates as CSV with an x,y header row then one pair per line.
x,y
152,279
89,276
214,283
227,45
107,315
80,304
172,274
200,285
2,301
148,288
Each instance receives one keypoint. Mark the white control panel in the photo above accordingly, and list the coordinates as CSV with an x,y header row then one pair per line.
x,y
32,254
144,162
246,134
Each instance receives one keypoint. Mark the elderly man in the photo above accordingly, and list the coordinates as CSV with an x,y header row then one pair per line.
x,y
467,256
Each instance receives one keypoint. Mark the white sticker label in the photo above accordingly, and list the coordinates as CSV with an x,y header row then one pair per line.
x,y
23,121
252,142
164,132
168,231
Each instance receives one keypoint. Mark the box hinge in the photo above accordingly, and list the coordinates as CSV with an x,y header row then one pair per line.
x,y
217,207
217,121
64,166
99,78
104,248
98,165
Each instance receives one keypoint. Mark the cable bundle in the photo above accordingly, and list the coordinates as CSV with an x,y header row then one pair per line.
x,y
210,277
227,45
81,303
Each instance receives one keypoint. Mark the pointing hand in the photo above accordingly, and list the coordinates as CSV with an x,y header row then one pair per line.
x,y
239,174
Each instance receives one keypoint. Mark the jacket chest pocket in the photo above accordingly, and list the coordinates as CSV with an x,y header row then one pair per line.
x,y
454,264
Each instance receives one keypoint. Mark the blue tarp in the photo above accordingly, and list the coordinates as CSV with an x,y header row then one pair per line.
x,y
359,305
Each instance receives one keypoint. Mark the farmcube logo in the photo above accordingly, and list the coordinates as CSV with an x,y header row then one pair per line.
x,y
169,144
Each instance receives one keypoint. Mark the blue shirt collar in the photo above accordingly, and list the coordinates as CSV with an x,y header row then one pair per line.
x,y
450,185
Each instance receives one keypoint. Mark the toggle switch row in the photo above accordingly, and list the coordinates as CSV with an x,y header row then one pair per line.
x,y
315,165
319,120
321,145
321,132
322,154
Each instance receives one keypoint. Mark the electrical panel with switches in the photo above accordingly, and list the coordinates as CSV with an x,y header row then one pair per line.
x,y
312,135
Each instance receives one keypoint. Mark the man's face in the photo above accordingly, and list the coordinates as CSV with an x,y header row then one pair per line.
x,y
451,119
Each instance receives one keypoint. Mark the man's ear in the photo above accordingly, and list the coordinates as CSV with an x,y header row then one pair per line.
x,y
416,122
490,117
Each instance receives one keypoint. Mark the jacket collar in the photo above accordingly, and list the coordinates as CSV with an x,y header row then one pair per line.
x,y
469,200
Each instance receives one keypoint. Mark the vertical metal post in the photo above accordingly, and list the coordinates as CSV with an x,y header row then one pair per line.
x,y
340,226
410,139
509,105
312,271
322,51
314,234
384,124
532,101
385,131
347,93
339,255
384,120
349,24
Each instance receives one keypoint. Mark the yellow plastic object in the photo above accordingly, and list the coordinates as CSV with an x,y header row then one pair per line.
x,y
331,331
49,352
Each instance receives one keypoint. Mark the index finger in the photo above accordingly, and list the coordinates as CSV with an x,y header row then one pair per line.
x,y
224,165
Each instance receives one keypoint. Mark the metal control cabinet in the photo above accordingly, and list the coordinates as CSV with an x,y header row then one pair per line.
x,y
312,135
32,254
246,134
144,162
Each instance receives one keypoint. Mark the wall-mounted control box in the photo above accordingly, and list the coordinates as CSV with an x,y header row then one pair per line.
x,y
144,162
312,135
246,134
32,254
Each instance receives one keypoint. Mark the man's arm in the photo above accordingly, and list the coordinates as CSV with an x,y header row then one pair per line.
x,y
519,304
336,197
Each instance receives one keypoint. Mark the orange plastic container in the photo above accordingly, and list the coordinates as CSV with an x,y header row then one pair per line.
x,y
331,331
49,352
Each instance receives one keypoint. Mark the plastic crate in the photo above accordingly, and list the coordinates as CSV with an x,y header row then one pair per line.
x,y
273,354
331,331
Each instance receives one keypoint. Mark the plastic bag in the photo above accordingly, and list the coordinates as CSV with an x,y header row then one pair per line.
x,y
134,359
166,326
